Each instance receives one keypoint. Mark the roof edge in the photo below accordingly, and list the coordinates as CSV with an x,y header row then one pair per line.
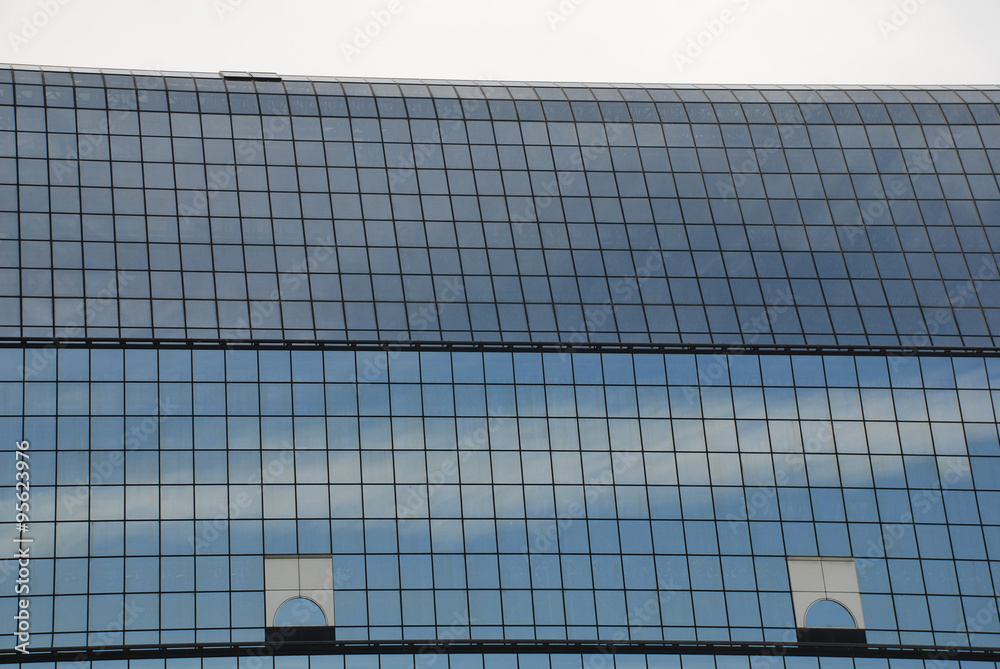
x,y
508,83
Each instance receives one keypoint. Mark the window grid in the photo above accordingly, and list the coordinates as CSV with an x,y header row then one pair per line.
x,y
543,481
500,495
556,170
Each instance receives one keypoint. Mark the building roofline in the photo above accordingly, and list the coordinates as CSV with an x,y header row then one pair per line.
x,y
503,83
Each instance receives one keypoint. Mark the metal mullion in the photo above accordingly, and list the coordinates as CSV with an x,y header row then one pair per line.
x,y
565,226
461,520
149,264
305,273
934,174
713,486
368,246
689,591
208,217
75,159
863,229
641,462
941,486
48,195
586,331
633,251
274,241
555,498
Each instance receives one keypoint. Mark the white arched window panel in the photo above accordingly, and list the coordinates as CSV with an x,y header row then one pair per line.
x,y
814,579
828,613
299,612
291,577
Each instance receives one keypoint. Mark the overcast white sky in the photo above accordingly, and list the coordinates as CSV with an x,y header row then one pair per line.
x,y
648,41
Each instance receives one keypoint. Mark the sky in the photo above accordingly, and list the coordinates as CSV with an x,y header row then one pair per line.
x,y
867,42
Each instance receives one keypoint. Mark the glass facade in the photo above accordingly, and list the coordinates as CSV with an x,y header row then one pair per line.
x,y
657,375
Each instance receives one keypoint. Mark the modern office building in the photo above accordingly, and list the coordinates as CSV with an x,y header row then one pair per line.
x,y
369,373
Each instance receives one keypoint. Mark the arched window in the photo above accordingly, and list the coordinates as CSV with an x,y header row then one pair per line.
x,y
828,613
299,612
